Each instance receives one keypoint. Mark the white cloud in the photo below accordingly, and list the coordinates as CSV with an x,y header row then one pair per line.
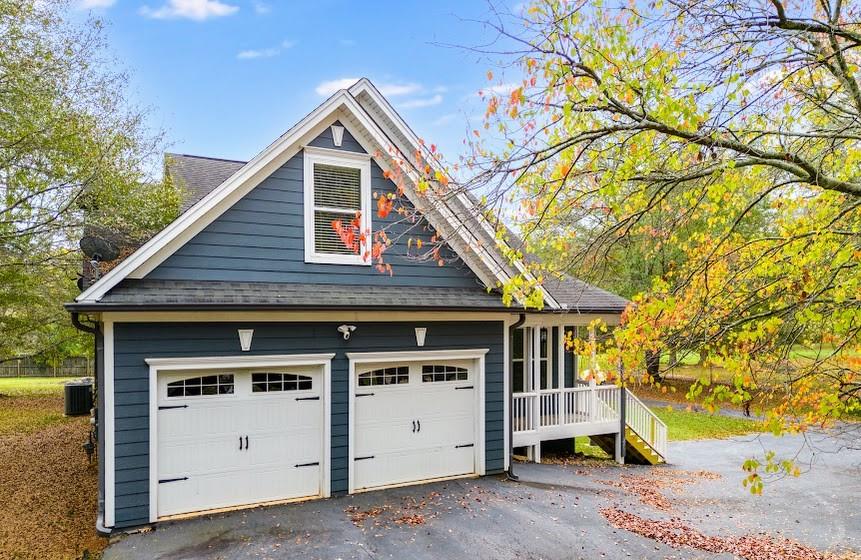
x,y
328,88
251,54
261,8
388,89
257,53
391,90
501,89
197,10
444,120
421,102
95,4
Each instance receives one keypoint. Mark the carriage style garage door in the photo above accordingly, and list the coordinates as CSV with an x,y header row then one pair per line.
x,y
414,421
236,437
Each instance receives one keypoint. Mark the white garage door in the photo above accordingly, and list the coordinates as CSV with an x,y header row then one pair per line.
x,y
228,438
414,422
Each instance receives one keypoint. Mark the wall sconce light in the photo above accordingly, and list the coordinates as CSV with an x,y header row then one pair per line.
x,y
346,330
245,336
421,332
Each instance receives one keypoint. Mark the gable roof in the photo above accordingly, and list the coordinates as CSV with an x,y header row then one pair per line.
x,y
214,185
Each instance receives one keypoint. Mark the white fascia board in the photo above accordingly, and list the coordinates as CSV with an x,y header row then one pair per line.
x,y
365,86
249,175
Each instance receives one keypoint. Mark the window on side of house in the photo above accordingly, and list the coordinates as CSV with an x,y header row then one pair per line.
x,y
337,190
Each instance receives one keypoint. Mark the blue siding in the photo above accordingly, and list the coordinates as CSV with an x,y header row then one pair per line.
x,y
134,342
261,239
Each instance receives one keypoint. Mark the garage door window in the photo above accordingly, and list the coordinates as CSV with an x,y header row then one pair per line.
x,y
432,373
386,376
201,386
275,382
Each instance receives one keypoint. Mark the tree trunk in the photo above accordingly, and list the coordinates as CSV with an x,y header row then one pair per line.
x,y
653,365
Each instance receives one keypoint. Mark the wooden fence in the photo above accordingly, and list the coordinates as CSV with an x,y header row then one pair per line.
x,y
28,367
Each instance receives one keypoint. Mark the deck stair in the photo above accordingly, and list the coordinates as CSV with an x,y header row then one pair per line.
x,y
645,435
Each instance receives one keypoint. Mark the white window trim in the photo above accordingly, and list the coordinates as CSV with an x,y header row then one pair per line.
x,y
339,158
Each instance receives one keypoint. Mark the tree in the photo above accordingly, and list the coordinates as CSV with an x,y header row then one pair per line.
x,y
73,154
726,130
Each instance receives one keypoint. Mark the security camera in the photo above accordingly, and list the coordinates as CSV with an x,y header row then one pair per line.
x,y
346,330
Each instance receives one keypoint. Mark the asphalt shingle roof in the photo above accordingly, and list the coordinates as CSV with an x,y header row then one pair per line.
x,y
186,294
199,175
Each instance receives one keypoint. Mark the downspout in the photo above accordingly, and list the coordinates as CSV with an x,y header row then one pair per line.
x,y
511,329
76,321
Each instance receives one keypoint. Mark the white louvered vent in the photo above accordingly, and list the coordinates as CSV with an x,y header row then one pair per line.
x,y
337,196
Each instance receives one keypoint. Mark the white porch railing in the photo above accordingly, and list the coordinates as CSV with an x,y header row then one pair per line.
x,y
645,424
582,411
554,408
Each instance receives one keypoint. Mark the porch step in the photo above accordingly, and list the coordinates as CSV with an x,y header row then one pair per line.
x,y
637,451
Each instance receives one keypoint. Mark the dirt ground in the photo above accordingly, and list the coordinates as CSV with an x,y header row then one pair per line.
x,y
48,488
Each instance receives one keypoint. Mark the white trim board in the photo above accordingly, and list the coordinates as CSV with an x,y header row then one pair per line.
x,y
157,365
301,316
477,355
110,425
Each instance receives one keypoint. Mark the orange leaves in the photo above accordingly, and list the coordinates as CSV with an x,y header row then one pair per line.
x,y
489,75
384,206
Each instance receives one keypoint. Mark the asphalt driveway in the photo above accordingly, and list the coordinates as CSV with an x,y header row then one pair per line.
x,y
554,512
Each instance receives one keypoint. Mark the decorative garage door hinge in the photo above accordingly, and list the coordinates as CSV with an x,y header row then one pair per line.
x,y
163,480
364,394
464,445
363,458
307,465
307,398
173,406
467,387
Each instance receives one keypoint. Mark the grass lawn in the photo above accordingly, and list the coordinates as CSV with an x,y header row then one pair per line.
x,y
31,386
684,425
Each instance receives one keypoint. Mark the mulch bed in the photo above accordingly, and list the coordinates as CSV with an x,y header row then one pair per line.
x,y
48,492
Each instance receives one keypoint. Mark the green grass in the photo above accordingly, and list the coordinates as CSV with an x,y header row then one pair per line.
x,y
32,386
684,425
30,404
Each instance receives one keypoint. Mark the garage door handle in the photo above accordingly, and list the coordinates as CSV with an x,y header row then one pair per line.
x,y
414,426
464,445
246,443
163,480
419,422
174,406
240,443
307,465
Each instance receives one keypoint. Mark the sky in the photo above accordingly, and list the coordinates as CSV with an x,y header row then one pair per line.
x,y
224,78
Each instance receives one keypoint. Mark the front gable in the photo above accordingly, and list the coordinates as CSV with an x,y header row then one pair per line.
x,y
261,238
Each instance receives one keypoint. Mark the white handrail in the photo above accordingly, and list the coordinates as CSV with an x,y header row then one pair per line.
x,y
645,424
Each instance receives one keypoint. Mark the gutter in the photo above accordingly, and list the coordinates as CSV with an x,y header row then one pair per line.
x,y
97,307
511,329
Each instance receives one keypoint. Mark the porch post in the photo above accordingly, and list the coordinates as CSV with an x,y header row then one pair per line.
x,y
535,373
623,424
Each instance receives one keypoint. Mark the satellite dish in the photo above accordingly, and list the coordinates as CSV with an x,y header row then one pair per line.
x,y
99,248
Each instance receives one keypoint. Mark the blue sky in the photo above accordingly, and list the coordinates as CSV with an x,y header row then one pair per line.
x,y
225,77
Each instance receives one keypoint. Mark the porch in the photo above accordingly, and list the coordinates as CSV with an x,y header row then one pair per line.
x,y
551,400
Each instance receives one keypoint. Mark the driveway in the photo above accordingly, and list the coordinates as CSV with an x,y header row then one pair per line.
x,y
554,512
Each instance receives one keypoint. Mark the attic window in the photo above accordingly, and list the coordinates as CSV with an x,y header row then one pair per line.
x,y
337,189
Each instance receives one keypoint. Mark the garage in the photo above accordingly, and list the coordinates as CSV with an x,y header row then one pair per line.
x,y
233,437
415,420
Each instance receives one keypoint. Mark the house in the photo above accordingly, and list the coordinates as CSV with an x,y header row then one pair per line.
x,y
245,355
